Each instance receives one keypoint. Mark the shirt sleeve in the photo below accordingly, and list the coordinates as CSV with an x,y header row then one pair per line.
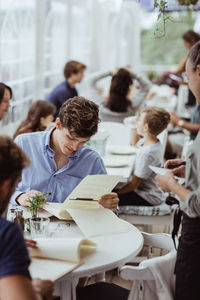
x,y
192,204
14,259
142,162
143,92
98,167
91,82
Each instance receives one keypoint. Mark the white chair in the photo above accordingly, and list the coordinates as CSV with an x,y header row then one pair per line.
x,y
148,215
140,274
163,140
119,134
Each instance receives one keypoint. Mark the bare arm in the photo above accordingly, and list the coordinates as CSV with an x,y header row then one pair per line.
x,y
181,66
134,136
135,182
16,287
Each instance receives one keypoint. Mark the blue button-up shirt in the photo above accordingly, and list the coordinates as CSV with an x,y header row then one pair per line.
x,y
43,176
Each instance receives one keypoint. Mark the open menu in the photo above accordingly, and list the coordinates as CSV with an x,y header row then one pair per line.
x,y
85,195
60,256
99,221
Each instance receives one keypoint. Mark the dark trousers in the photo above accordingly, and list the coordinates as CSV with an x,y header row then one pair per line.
x,y
132,198
187,267
102,291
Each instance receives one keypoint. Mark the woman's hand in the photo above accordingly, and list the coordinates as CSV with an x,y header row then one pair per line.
x,y
109,201
174,119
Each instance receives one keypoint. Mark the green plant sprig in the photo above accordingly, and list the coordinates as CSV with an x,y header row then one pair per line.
x,y
36,202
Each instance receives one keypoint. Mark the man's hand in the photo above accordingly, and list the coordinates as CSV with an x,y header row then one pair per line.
x,y
109,201
166,181
178,171
31,244
23,199
43,287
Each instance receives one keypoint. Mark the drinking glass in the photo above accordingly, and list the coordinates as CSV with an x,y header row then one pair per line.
x,y
39,227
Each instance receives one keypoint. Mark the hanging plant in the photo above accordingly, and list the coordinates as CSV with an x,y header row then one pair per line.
x,y
187,2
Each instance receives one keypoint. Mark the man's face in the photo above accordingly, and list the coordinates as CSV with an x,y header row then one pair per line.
x,y
67,143
7,188
78,76
5,104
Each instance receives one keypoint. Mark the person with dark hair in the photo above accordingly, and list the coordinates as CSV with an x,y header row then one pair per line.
x,y
39,116
188,260
73,73
15,280
59,158
5,97
190,38
119,103
142,189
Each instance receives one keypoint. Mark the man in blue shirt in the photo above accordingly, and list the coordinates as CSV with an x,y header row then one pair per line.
x,y
59,158
73,72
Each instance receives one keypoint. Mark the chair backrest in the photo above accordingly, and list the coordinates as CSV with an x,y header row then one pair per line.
x,y
142,273
158,240
119,134
163,139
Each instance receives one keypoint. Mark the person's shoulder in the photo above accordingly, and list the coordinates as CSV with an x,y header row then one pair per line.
x,y
8,229
31,136
85,150
31,140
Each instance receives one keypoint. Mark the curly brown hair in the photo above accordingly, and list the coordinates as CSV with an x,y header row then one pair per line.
x,y
157,119
73,67
12,160
80,116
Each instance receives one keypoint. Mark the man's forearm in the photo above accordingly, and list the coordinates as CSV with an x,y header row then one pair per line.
x,y
179,190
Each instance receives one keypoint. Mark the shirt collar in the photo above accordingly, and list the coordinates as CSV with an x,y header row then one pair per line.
x,y
47,138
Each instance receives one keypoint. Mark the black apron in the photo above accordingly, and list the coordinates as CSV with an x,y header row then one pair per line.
x,y
187,267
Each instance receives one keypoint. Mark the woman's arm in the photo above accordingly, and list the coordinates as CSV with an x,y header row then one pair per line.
x,y
145,85
181,66
92,80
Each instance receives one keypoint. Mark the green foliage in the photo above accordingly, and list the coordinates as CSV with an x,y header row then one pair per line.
x,y
36,202
168,50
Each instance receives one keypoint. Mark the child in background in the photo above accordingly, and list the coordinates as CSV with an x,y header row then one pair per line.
x,y
142,190
39,116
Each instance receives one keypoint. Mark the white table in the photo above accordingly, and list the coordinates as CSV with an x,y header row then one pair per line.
x,y
126,171
112,251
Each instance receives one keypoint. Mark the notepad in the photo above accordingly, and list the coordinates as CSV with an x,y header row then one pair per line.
x,y
57,257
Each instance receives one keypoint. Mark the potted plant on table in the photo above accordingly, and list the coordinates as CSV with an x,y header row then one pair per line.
x,y
36,202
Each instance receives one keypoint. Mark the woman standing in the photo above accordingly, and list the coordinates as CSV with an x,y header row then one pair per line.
x,y
188,256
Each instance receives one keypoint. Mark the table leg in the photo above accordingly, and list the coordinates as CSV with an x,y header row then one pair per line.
x,y
68,289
